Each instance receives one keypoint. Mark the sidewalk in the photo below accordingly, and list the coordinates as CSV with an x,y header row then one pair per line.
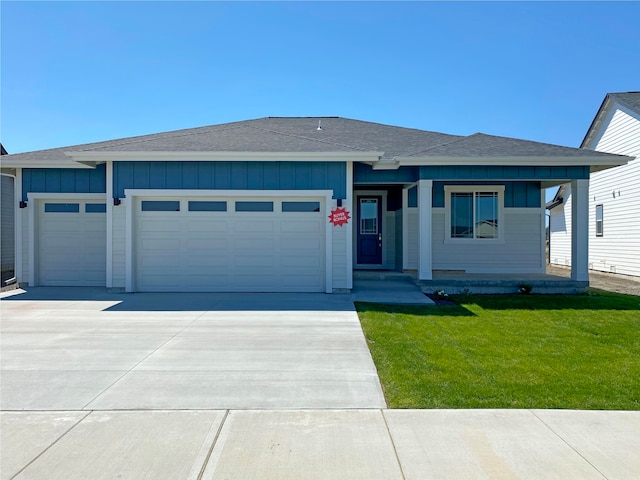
x,y
321,444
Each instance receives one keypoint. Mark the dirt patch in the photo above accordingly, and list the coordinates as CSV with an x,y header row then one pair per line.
x,y
603,281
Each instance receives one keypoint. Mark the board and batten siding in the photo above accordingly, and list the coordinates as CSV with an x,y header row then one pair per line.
x,y
63,180
249,175
618,191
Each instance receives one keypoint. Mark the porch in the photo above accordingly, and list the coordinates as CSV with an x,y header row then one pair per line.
x,y
476,283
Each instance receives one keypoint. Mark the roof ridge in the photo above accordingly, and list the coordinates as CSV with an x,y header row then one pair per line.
x,y
303,137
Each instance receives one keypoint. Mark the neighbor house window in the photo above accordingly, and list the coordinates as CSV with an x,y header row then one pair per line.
x,y
474,213
599,220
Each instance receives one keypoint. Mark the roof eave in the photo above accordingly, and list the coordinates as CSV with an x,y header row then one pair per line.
x,y
46,164
590,161
228,156
597,121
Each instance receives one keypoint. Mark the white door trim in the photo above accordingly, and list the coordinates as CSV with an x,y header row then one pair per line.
x,y
367,193
130,195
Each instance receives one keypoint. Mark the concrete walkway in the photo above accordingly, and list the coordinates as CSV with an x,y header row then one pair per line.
x,y
392,290
321,444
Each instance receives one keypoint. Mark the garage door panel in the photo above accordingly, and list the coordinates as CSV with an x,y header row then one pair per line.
x,y
154,244
249,245
249,225
301,226
260,263
229,250
302,262
205,244
206,262
312,245
302,281
207,225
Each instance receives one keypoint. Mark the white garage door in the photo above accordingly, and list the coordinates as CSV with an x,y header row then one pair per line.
x,y
71,243
230,245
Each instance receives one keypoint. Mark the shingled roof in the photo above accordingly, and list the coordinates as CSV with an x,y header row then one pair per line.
x,y
312,135
630,100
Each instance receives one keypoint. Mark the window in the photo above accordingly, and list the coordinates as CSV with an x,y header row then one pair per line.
x,y
369,216
198,206
160,205
300,206
254,206
599,220
62,207
474,213
95,208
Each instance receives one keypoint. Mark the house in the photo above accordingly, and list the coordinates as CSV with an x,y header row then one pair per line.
x,y
614,194
290,204
7,232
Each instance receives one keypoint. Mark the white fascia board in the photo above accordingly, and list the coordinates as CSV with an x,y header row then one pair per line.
x,y
226,156
386,164
596,128
595,161
45,164
128,193
31,196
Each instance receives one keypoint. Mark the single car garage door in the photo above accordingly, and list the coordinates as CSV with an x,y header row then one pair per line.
x,y
71,243
229,245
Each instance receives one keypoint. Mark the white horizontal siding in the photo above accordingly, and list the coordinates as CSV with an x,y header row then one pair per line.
x,y
339,260
618,190
25,243
621,135
560,232
521,251
412,237
389,240
7,237
119,245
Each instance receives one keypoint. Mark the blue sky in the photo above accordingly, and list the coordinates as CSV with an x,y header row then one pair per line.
x,y
76,72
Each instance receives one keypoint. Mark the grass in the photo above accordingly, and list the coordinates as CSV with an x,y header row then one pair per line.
x,y
511,351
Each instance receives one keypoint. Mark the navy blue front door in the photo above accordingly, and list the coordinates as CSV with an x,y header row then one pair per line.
x,y
369,231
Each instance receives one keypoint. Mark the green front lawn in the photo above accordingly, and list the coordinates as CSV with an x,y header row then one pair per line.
x,y
512,351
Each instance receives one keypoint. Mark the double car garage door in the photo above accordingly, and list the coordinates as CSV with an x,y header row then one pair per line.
x,y
193,244
238,245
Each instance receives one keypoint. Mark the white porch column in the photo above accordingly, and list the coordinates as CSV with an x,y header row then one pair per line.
x,y
580,230
425,193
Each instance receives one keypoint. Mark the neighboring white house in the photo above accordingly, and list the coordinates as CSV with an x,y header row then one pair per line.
x,y
614,194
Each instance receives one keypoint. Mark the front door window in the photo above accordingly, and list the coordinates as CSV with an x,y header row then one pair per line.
x,y
369,216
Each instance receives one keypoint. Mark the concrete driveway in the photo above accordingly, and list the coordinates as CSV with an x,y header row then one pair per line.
x,y
88,349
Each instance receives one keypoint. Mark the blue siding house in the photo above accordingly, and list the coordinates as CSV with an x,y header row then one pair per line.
x,y
254,206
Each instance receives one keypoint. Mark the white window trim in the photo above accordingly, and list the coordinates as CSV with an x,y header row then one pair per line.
x,y
449,189
601,221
